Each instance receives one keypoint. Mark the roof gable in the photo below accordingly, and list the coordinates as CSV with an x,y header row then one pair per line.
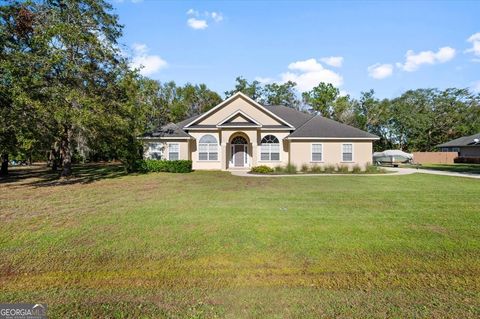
x,y
239,101
463,141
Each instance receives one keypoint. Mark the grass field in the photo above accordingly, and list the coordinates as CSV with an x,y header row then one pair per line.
x,y
460,168
208,244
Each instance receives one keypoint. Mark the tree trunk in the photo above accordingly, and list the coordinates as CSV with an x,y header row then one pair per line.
x,y
66,151
4,169
54,156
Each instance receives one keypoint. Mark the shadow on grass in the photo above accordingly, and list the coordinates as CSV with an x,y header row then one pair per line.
x,y
81,174
456,168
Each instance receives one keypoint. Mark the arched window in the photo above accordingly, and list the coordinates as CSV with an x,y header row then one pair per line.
x,y
208,148
239,140
270,148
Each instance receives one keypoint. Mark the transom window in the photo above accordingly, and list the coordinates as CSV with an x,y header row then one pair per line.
x,y
208,148
347,152
173,152
155,150
270,149
317,152
239,140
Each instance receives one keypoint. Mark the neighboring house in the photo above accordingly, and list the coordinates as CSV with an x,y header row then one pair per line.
x,y
241,133
467,146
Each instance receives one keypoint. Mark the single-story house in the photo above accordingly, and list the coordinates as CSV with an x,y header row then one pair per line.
x,y
240,133
466,146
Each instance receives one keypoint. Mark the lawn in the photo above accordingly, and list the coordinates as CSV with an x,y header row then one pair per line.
x,y
460,168
209,244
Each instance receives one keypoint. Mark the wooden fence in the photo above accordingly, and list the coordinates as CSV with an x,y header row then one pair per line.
x,y
434,157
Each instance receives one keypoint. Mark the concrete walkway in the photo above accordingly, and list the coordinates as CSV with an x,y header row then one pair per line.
x,y
392,172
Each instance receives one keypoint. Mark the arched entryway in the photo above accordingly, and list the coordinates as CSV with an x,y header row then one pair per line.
x,y
239,151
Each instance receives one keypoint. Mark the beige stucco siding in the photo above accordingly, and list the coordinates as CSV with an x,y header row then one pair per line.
x,y
234,106
301,152
164,144
198,164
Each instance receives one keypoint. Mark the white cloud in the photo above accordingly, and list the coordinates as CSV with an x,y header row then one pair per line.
x,y
380,71
192,12
476,87
475,41
199,21
197,24
335,61
148,64
216,16
309,73
413,61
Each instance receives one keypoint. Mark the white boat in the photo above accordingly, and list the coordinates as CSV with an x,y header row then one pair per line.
x,y
392,157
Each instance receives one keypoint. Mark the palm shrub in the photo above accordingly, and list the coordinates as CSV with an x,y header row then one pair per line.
x,y
329,169
342,169
290,169
316,169
304,168
356,169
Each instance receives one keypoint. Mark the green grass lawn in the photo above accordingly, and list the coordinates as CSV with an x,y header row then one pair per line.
x,y
209,244
460,168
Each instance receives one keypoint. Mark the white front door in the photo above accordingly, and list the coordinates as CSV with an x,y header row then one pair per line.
x,y
239,155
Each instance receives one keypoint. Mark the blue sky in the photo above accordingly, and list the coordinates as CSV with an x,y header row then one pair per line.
x,y
387,46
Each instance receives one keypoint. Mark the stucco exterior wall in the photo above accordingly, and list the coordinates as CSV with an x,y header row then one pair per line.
x,y
301,153
184,153
236,105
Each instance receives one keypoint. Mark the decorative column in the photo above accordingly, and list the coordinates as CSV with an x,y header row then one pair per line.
x,y
224,156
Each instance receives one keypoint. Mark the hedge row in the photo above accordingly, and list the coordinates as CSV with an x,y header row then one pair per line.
x,y
180,166
467,160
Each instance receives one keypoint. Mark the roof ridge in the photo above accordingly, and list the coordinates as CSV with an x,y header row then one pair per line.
x,y
313,116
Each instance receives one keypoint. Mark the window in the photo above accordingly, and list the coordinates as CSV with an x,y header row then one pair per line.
x,y
270,149
173,152
347,152
208,148
317,155
155,151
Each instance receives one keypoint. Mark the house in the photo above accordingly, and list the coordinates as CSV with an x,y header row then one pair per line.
x,y
467,146
240,133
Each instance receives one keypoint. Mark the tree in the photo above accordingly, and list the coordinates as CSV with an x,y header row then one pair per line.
x,y
281,94
321,98
254,90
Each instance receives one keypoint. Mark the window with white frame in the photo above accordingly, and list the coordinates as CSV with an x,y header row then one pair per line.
x,y
347,152
317,152
208,148
173,152
155,151
270,149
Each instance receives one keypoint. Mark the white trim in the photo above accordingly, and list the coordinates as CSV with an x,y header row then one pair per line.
x,y
236,95
203,129
247,160
236,113
276,129
334,138
341,153
208,149
164,138
168,150
311,153
239,126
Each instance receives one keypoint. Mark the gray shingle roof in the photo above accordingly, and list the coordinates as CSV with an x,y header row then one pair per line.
x,y
319,126
462,141
306,125
168,130
292,116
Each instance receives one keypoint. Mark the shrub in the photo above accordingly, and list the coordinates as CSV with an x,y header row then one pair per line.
x,y
262,170
304,168
342,169
291,169
467,160
279,169
329,169
356,169
179,166
373,169
316,169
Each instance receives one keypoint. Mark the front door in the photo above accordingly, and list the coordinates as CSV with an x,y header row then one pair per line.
x,y
239,155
